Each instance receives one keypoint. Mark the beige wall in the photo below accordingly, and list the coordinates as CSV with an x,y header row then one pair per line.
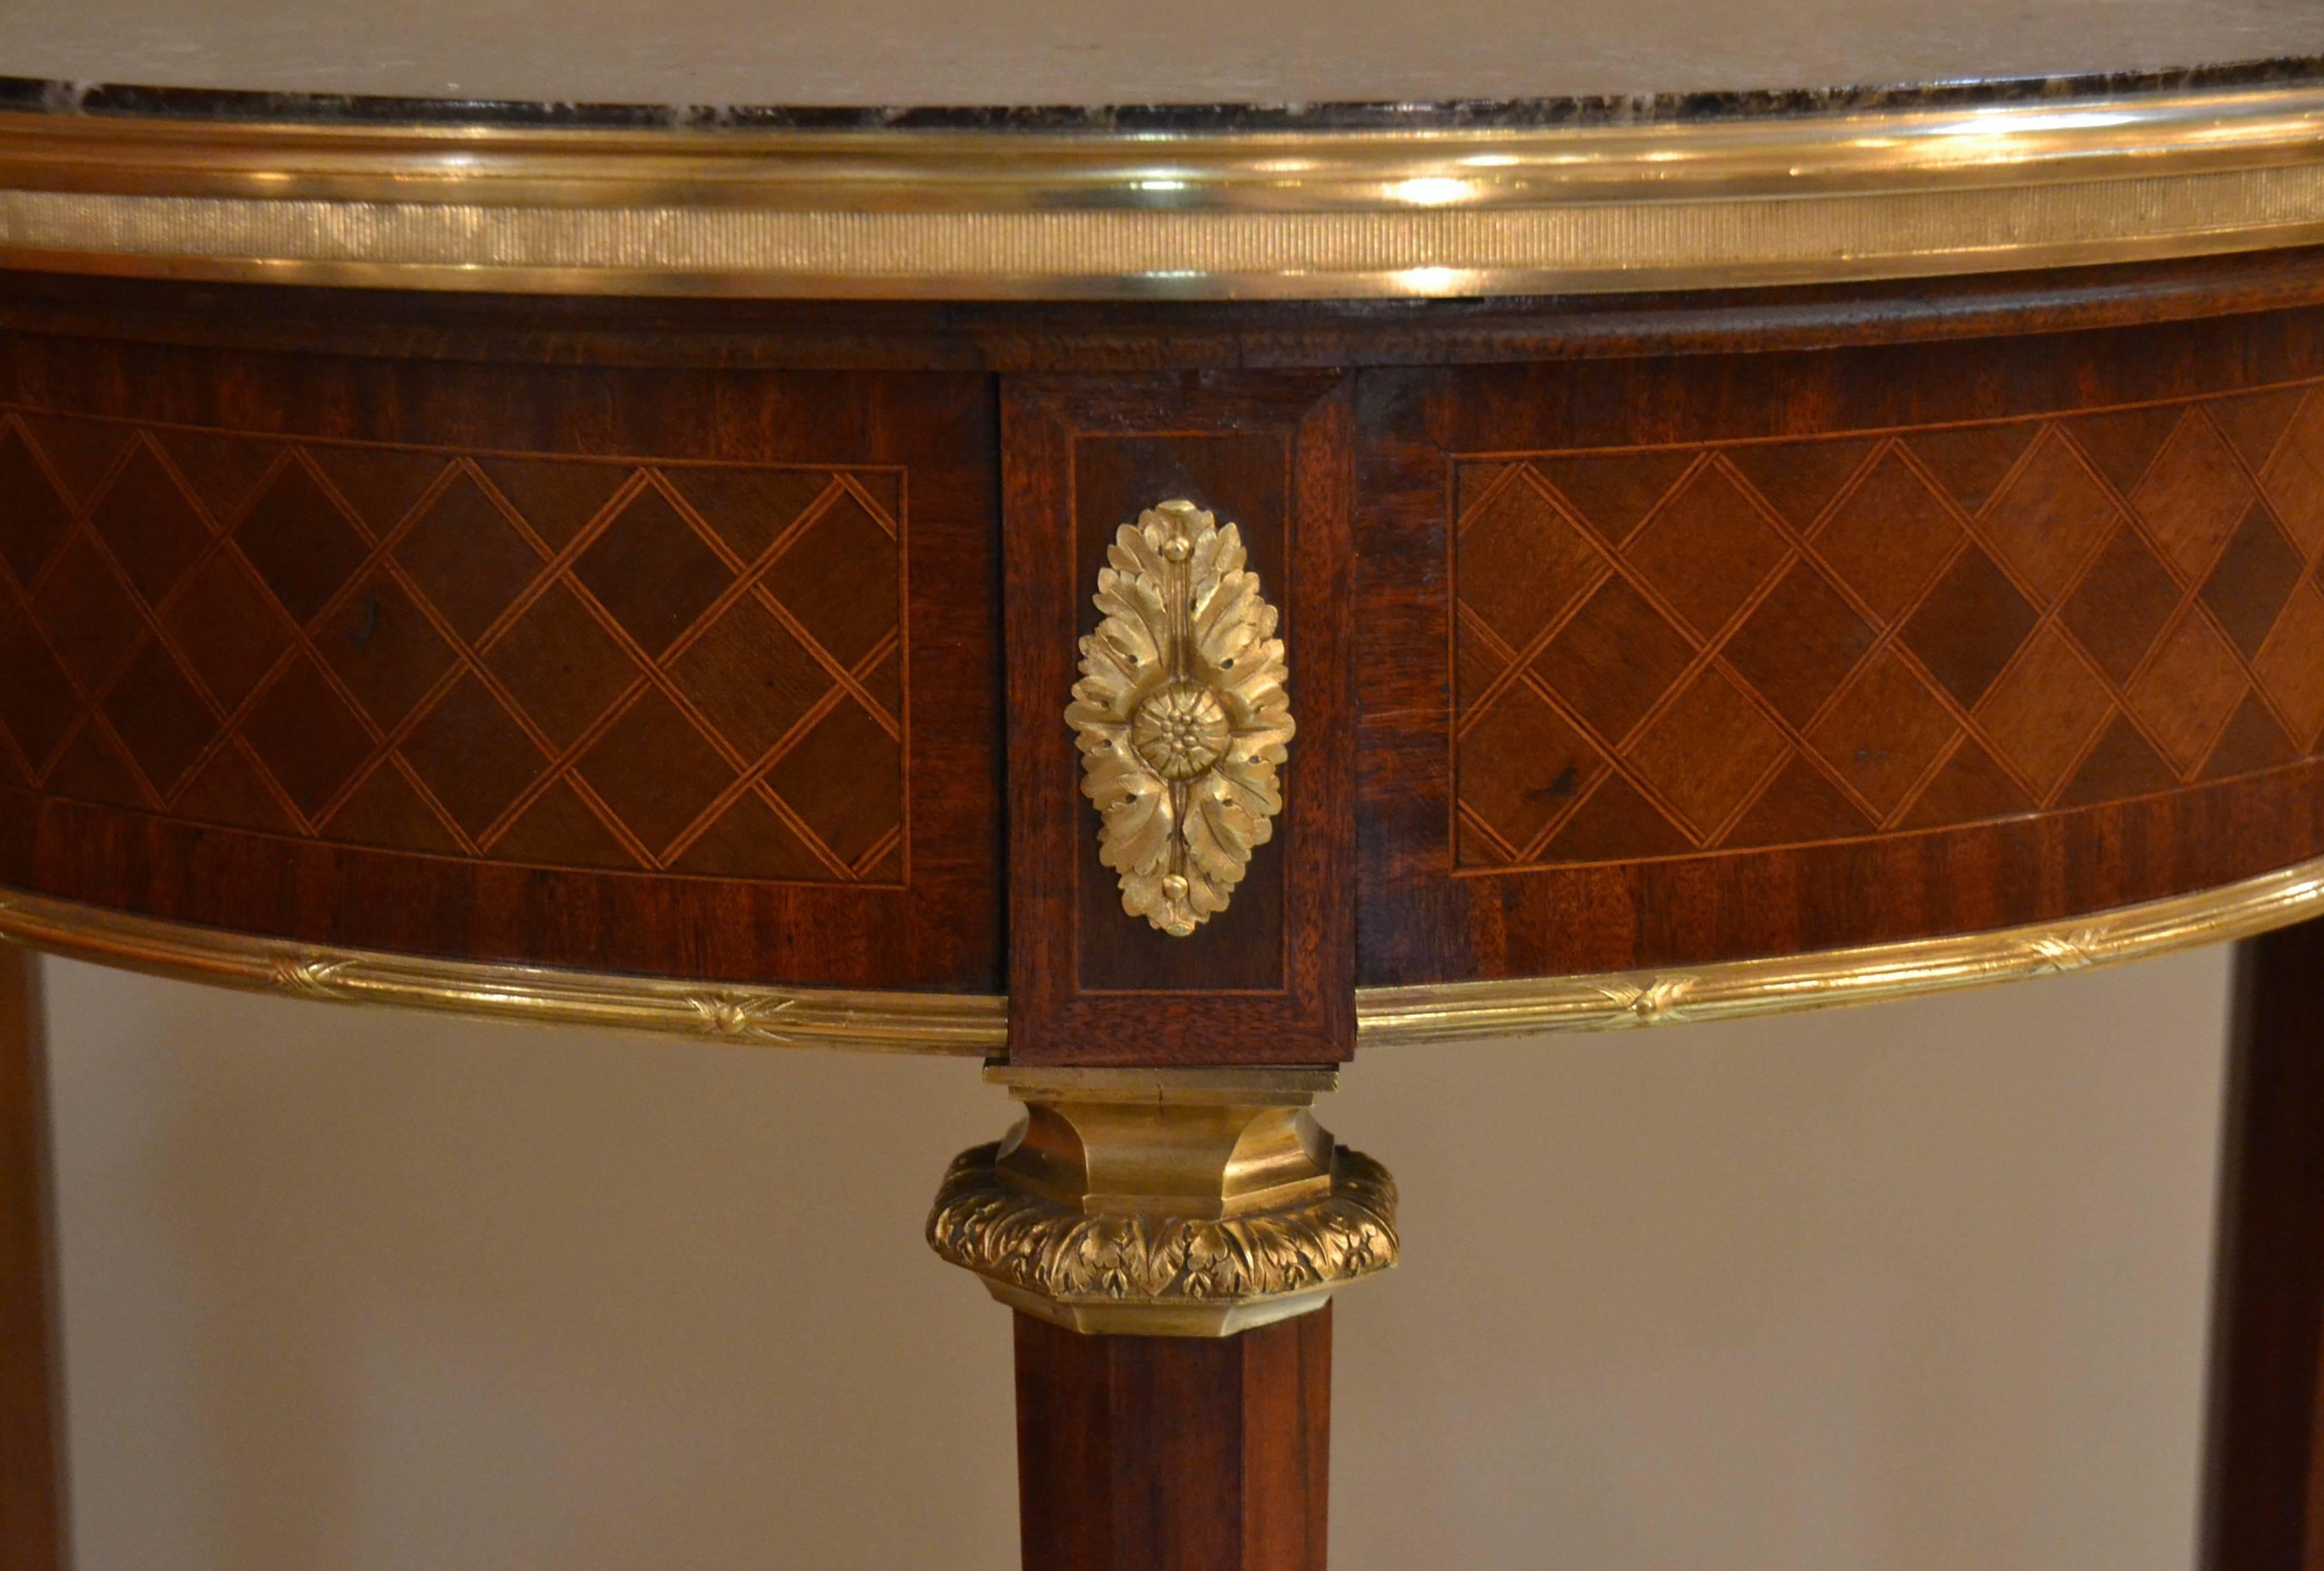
x,y
1913,1289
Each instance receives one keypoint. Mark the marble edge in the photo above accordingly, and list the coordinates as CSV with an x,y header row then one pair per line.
x,y
123,101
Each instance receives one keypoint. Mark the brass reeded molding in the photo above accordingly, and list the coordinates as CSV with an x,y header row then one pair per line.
x,y
977,1024
1892,191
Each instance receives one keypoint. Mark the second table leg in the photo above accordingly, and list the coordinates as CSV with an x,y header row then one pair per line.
x,y
32,1433
2265,1506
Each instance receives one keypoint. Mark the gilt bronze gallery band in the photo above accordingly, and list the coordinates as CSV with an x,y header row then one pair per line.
x,y
1426,212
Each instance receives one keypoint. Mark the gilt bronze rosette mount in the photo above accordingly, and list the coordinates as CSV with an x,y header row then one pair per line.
x,y
1181,715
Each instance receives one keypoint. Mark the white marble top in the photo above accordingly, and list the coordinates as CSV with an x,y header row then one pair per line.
x,y
1089,52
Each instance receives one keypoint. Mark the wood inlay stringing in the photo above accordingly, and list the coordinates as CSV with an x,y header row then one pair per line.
x,y
1663,652
618,664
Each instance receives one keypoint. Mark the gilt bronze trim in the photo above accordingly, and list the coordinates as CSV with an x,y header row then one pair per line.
x,y
1166,1201
1873,974
1787,198
1181,715
759,1016
976,1023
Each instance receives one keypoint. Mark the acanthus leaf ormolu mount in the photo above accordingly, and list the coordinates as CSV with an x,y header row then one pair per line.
x,y
1181,715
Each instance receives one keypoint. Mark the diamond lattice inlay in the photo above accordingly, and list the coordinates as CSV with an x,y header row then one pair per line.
x,y
573,662
1665,652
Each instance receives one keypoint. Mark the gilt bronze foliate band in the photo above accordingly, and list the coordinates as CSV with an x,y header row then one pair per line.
x,y
1166,1201
976,1024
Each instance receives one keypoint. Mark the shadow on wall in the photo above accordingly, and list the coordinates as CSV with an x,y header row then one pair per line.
x,y
1913,1288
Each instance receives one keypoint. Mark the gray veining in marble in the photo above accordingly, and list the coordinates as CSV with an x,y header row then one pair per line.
x,y
1083,52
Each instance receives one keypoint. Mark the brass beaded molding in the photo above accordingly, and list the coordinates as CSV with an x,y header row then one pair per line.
x,y
976,1024
1881,193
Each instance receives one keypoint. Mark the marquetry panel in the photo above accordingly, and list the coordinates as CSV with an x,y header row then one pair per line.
x,y
642,664
1662,651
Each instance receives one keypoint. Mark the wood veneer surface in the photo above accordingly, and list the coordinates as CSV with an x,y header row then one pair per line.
x,y
595,634
606,668
1668,660
1269,979
1113,1431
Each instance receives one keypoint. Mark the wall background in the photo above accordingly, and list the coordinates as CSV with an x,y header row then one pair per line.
x,y
1913,1288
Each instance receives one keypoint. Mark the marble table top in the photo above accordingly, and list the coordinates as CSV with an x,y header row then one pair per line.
x,y
881,61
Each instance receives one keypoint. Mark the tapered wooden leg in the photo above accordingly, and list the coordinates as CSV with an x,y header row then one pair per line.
x,y
32,1438
1175,1453
2266,1507
1170,1241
